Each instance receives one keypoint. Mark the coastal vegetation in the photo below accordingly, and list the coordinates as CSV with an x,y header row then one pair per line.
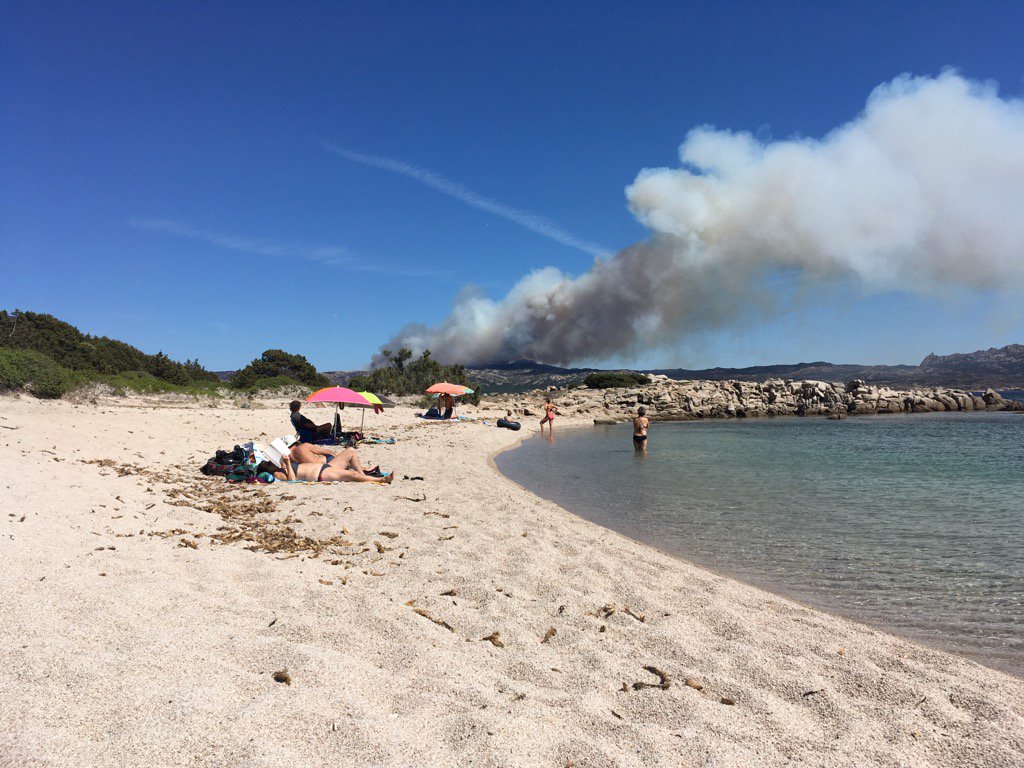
x,y
276,368
404,375
49,357
610,379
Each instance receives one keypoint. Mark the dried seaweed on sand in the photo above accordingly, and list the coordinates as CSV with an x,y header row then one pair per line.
x,y
663,680
440,622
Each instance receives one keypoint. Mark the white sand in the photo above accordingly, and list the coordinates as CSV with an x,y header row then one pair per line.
x,y
123,648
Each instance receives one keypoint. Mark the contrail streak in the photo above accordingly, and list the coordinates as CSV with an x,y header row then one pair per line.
x,y
531,221
328,255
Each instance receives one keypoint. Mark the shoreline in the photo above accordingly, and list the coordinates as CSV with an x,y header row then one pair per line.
x,y
751,578
374,679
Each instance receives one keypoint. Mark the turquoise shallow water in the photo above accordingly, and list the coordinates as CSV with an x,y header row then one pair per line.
x,y
914,524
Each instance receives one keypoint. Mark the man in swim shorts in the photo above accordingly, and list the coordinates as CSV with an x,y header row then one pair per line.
x,y
640,426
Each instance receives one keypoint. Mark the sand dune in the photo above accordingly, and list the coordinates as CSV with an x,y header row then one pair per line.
x,y
454,620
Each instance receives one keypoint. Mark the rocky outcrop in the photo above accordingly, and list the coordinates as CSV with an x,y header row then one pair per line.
x,y
669,400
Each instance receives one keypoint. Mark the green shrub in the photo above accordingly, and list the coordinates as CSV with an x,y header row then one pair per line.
x,y
36,373
33,371
148,384
405,376
269,384
276,363
610,379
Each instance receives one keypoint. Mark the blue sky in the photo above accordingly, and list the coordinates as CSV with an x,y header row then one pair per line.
x,y
215,179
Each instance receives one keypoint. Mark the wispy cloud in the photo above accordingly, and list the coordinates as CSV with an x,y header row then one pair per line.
x,y
527,220
328,255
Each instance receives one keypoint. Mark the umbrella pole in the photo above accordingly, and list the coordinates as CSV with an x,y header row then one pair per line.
x,y
363,419
334,423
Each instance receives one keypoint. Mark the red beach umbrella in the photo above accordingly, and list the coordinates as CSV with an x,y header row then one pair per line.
x,y
444,388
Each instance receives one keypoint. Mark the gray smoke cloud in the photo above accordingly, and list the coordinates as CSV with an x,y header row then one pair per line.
x,y
922,191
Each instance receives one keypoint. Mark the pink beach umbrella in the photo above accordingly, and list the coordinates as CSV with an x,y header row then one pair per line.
x,y
340,396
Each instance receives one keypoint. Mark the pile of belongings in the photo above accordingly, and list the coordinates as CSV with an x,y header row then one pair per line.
x,y
344,439
239,465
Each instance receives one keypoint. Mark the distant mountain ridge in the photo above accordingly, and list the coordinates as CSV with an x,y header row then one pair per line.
x,y
999,368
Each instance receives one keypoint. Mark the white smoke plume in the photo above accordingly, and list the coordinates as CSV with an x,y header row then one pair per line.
x,y
923,191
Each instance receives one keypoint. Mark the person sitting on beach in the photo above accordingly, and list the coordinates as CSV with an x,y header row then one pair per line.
x,y
305,428
449,405
640,426
343,467
549,417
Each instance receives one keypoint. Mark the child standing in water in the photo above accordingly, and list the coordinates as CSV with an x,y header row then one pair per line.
x,y
549,417
640,426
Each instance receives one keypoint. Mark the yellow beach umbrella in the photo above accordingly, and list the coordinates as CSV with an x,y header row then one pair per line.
x,y
373,401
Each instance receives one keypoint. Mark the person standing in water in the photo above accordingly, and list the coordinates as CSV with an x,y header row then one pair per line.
x,y
640,426
549,417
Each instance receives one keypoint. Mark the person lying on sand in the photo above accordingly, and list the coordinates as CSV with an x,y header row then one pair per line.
x,y
307,453
344,467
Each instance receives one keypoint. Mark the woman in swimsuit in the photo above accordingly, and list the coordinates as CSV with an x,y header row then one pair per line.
x,y
640,426
549,417
344,467
307,453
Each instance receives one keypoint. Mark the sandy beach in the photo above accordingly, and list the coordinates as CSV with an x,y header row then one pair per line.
x,y
457,619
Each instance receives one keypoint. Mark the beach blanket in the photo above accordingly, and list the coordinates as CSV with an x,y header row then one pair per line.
x,y
376,473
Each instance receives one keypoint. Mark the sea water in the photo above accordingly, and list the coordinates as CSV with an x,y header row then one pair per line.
x,y
911,523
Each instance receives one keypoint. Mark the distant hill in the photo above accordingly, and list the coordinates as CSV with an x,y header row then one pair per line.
x,y
820,370
1001,368
524,375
